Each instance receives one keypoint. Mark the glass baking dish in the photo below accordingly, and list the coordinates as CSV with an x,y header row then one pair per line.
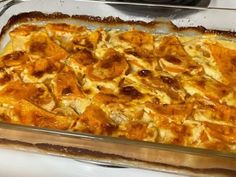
x,y
116,151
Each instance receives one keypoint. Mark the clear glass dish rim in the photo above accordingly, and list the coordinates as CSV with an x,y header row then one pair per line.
x,y
114,140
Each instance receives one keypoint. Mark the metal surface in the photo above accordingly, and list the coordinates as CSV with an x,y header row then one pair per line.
x,y
203,3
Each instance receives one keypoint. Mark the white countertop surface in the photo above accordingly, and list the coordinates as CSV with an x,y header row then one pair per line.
x,y
223,3
21,164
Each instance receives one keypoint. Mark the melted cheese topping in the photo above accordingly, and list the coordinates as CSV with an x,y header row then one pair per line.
x,y
160,88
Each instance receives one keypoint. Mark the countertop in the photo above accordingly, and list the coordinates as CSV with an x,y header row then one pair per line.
x,y
24,164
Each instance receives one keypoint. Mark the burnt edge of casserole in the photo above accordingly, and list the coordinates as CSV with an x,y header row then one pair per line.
x,y
35,16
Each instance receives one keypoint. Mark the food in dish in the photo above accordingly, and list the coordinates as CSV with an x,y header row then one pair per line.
x,y
164,88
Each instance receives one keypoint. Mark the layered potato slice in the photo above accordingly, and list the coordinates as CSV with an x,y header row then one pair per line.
x,y
206,87
138,47
72,37
36,93
36,42
68,92
227,66
112,65
94,120
173,58
21,111
163,88
45,55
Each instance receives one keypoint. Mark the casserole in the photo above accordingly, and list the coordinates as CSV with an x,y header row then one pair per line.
x,y
82,145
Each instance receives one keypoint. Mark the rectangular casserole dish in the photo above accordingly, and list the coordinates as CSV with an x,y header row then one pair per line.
x,y
191,161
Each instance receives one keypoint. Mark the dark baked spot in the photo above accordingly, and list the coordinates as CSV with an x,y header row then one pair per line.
x,y
201,83
106,64
233,61
85,57
42,66
170,81
87,91
144,73
173,59
156,100
38,46
38,73
108,37
40,91
110,59
140,53
187,96
121,83
130,91
206,54
192,66
13,57
99,87
224,91
66,91
35,97
131,51
4,117
6,78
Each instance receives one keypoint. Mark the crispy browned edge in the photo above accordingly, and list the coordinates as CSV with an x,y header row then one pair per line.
x,y
37,16
77,152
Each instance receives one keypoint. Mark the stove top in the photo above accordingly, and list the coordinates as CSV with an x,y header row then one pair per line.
x,y
151,11
201,3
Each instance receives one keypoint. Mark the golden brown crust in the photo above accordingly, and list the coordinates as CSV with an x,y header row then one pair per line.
x,y
111,66
66,85
132,84
95,121
173,56
226,66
